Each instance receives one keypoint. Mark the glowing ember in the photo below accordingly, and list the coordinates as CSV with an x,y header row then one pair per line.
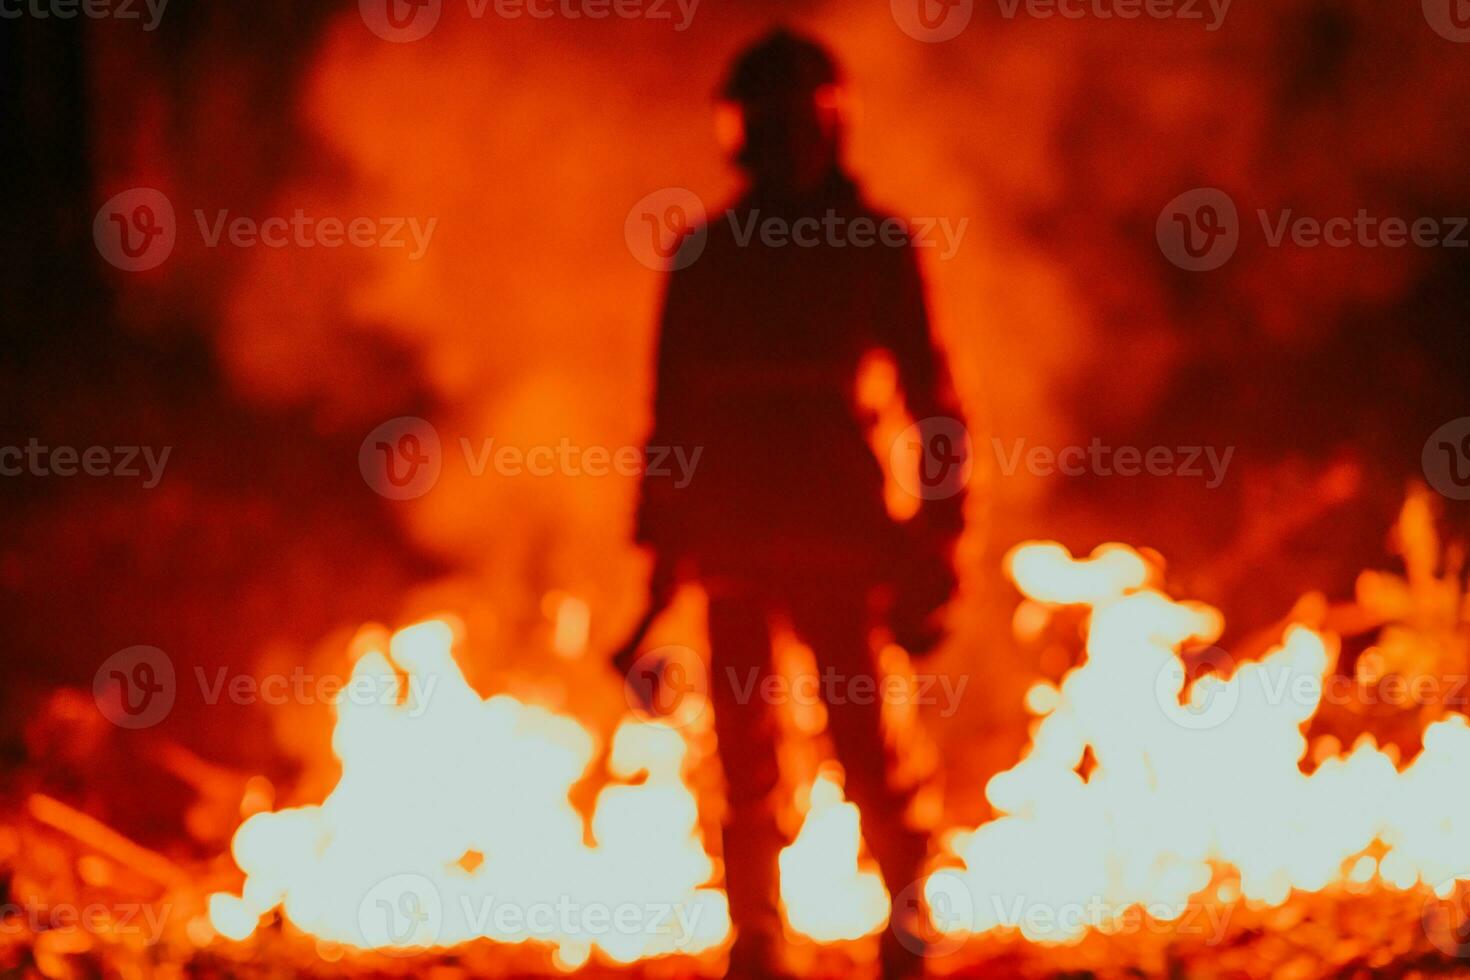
x,y
452,822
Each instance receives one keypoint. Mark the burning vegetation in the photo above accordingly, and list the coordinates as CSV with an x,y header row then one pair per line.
x,y
1179,809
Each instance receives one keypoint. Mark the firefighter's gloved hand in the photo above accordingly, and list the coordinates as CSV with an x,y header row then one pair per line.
x,y
662,584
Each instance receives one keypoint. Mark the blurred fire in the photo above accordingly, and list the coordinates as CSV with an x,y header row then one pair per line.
x,y
1151,789
485,787
1136,792
450,804
1059,171
825,894
1140,790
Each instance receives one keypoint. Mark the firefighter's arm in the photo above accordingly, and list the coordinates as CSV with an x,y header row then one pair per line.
x,y
928,392
655,524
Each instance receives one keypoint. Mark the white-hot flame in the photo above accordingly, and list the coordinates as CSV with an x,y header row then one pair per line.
x,y
1182,781
452,822
825,894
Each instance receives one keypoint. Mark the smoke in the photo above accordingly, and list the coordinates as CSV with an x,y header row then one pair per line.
x,y
530,322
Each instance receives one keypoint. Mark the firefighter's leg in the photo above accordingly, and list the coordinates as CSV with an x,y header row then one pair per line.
x,y
740,648
833,623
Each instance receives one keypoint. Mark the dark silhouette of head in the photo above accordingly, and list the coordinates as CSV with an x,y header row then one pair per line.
x,y
785,90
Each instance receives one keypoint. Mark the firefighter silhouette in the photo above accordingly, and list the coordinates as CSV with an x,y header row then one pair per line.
x,y
784,520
